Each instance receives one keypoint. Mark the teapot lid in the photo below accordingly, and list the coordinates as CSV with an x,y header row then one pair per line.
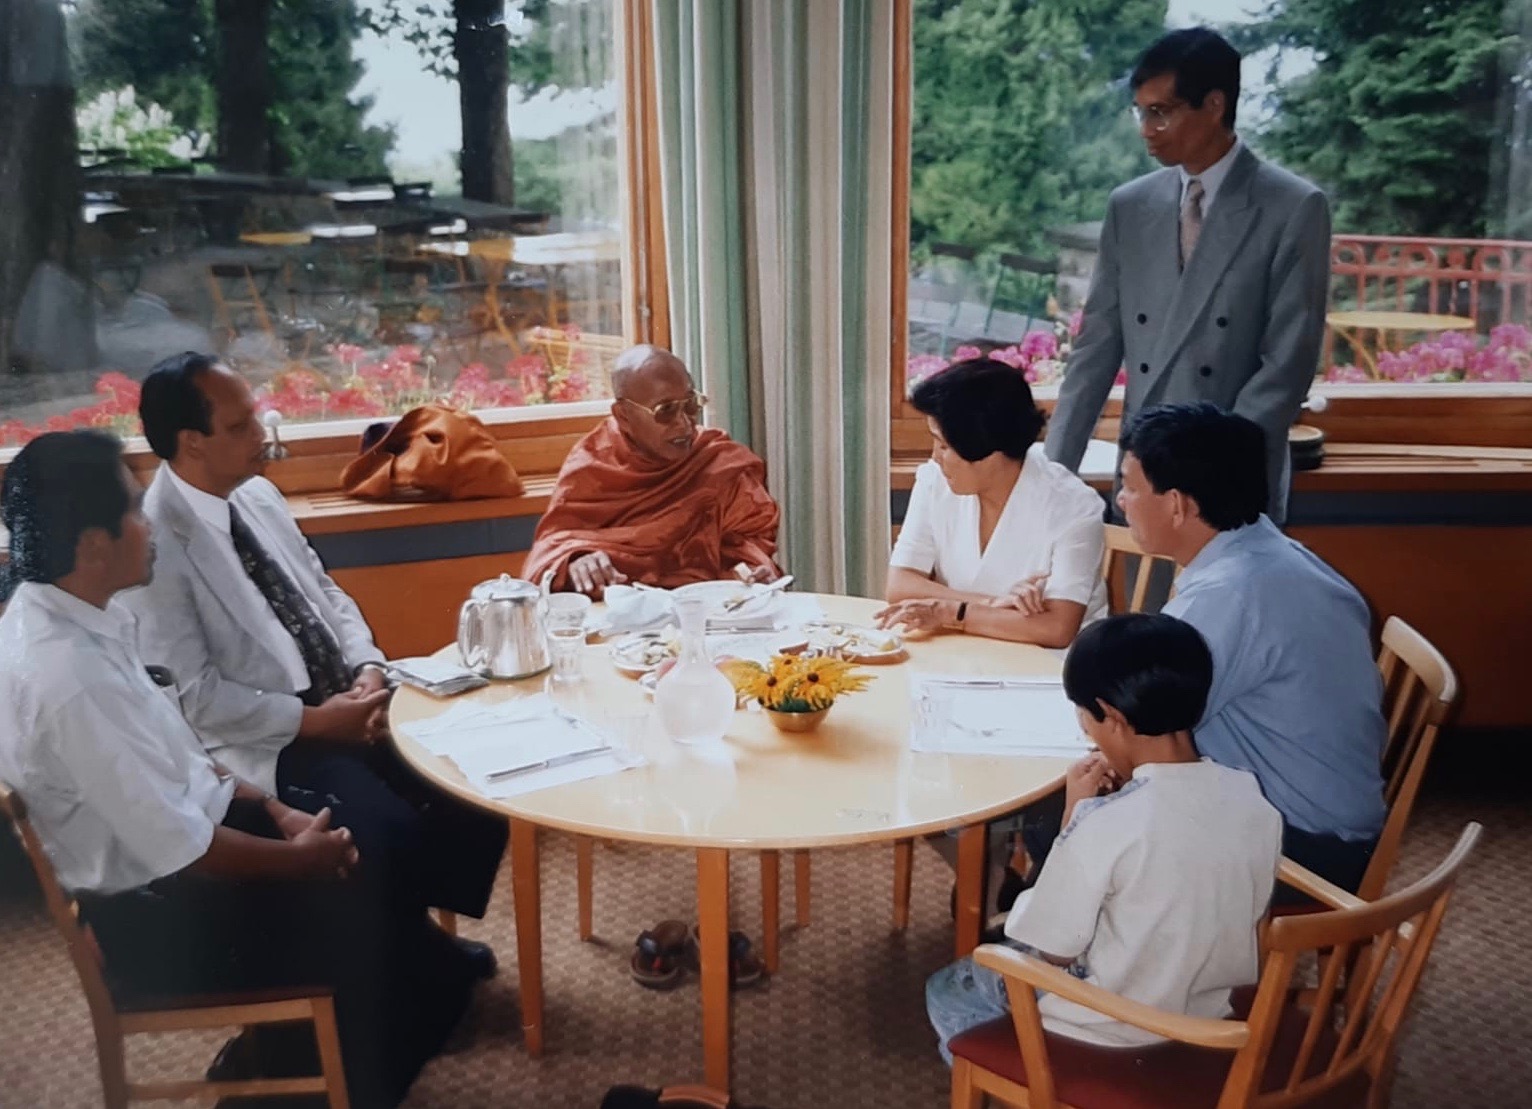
x,y
505,588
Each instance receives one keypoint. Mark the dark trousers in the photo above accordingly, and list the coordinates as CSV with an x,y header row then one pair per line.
x,y
397,993
1338,861
438,851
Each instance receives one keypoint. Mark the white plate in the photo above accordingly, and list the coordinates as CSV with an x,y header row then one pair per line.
x,y
640,652
716,594
856,643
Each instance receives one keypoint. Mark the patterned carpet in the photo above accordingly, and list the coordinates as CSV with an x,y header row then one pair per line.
x,y
841,1025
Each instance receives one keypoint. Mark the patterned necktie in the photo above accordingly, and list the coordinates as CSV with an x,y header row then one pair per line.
x,y
322,657
1191,219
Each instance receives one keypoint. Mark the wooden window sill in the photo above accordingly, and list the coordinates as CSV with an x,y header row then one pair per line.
x,y
1375,467
333,513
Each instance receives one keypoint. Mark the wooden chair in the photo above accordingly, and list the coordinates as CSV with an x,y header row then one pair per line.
x,y
114,1023
1126,560
1420,693
1274,1054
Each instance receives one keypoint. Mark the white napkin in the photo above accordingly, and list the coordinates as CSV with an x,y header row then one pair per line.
x,y
629,609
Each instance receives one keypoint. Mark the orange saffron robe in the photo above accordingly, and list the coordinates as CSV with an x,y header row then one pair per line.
x,y
661,523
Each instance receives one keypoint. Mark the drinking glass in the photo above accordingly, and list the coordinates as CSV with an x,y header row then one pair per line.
x,y
565,617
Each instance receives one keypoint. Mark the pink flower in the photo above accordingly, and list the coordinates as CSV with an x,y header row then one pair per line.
x,y
965,352
1345,373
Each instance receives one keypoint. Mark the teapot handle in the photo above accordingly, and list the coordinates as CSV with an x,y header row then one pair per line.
x,y
470,635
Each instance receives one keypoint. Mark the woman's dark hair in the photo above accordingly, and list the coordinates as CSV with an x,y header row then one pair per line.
x,y
982,406
1216,458
1202,61
171,402
1154,669
56,488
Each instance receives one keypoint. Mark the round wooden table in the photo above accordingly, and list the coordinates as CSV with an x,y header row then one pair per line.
x,y
853,781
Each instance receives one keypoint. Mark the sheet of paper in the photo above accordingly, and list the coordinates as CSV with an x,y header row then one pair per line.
x,y
993,716
486,740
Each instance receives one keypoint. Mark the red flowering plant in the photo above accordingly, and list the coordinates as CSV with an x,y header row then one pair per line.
x,y
367,384
115,409
1452,356
1040,356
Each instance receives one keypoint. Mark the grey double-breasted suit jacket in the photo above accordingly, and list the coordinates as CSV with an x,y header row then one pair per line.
x,y
1241,325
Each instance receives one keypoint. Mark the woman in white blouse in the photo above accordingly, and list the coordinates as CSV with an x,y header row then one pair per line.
x,y
997,540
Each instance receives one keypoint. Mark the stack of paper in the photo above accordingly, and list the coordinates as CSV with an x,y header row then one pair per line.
x,y
516,747
993,716
437,676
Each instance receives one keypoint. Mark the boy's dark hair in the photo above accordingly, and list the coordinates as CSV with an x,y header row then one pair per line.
x,y
1154,669
1216,458
1202,61
171,402
58,487
982,406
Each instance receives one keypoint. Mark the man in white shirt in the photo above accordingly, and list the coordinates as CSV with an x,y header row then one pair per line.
x,y
193,880
276,669
1155,890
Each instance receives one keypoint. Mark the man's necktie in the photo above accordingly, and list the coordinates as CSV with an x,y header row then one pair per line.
x,y
322,657
1191,219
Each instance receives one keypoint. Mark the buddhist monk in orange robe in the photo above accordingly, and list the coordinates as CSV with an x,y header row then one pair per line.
x,y
650,496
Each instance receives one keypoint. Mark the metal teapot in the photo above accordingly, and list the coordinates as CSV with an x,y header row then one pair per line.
x,y
500,629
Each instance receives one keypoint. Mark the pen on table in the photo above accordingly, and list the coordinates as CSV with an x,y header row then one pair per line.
x,y
547,764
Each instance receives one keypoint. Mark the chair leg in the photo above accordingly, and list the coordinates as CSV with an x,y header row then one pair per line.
x,y
446,920
801,887
771,911
904,866
114,1070
584,864
327,1036
965,1095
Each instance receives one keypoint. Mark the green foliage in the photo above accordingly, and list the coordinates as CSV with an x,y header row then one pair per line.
x,y
1397,120
1020,119
168,51
319,126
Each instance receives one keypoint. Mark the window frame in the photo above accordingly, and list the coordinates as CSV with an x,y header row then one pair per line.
x,y
646,308
1472,414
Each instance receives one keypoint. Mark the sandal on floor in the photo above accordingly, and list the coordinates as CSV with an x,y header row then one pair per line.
x,y
745,967
659,956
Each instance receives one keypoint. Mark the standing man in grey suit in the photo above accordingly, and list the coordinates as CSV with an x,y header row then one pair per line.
x,y
1213,273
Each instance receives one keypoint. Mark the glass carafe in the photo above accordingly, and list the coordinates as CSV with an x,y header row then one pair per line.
x,y
694,700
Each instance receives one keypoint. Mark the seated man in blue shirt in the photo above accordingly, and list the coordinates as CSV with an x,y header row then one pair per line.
x,y
1296,697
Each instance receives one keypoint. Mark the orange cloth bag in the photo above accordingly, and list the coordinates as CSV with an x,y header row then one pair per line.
x,y
433,453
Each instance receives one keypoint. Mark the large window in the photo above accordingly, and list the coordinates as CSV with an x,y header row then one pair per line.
x,y
1414,118
360,204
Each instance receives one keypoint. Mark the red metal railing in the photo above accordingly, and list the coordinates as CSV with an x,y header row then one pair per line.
x,y
1487,280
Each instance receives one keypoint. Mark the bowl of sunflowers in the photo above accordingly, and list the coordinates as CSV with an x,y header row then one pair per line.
x,y
796,690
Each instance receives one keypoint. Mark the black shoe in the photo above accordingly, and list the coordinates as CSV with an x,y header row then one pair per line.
x,y
236,1060
478,957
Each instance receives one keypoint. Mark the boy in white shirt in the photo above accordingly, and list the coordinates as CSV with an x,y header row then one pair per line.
x,y
1154,890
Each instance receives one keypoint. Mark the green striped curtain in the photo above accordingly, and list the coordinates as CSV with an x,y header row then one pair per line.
x,y
778,235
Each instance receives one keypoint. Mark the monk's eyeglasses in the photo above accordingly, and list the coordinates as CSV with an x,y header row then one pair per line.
x,y
669,411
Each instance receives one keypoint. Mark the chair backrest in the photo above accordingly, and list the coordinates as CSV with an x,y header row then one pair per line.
x,y
65,911
1127,578
1370,960
1420,692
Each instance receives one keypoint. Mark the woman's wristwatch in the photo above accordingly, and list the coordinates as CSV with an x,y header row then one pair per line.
x,y
962,615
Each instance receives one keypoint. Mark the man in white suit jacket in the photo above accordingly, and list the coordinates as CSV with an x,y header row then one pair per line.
x,y
275,667
1213,273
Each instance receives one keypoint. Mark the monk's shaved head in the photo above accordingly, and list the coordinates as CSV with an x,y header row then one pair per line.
x,y
639,368
654,402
